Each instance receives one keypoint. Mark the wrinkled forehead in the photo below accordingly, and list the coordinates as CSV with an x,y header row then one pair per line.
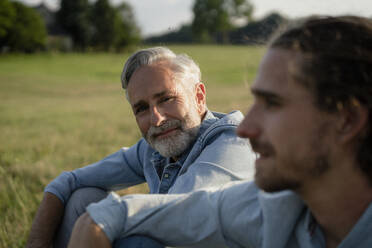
x,y
159,66
150,80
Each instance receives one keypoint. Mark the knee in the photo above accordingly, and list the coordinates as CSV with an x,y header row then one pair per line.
x,y
75,207
82,197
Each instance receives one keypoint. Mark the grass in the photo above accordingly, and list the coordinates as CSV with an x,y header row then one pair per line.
x,y
62,111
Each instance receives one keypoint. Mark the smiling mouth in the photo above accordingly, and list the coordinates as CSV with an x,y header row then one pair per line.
x,y
166,133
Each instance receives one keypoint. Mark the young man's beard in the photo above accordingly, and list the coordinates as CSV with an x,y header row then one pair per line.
x,y
270,178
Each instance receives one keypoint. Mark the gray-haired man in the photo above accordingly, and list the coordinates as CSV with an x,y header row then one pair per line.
x,y
185,147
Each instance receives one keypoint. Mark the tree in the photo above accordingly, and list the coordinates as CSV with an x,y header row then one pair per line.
x,y
113,27
22,29
7,17
103,25
100,25
127,30
213,17
73,16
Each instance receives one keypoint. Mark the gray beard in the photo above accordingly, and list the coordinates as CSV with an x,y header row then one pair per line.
x,y
175,145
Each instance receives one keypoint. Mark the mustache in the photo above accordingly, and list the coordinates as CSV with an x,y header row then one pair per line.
x,y
155,131
263,148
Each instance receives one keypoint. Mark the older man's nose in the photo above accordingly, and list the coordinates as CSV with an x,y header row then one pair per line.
x,y
157,117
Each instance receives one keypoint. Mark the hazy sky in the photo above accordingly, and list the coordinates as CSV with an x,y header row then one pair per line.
x,y
157,16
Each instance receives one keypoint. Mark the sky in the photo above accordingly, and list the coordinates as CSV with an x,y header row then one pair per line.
x,y
160,16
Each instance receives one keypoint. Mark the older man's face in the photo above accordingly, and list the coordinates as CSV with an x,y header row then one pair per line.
x,y
167,114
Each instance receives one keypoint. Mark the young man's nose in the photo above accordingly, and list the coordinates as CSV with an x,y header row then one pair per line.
x,y
248,128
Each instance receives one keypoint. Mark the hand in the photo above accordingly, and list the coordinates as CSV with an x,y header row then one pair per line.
x,y
46,222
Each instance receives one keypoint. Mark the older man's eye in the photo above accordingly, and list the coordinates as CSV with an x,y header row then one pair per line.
x,y
140,109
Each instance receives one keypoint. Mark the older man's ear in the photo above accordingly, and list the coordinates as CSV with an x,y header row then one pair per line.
x,y
200,96
87,233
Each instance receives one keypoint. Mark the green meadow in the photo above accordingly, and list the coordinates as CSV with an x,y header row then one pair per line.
x,y
63,111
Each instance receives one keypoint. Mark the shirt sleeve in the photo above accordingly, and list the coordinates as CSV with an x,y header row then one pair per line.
x,y
225,158
121,169
204,218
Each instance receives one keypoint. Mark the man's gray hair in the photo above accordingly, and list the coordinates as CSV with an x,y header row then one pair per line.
x,y
183,67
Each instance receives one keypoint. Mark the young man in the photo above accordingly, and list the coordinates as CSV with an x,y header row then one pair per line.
x,y
185,147
310,125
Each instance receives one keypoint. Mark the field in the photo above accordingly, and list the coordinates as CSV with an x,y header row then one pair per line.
x,y
62,111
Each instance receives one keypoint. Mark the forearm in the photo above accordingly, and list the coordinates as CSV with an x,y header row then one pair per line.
x,y
204,218
111,173
46,222
87,233
156,216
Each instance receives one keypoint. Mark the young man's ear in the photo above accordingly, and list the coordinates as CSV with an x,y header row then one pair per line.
x,y
200,97
353,121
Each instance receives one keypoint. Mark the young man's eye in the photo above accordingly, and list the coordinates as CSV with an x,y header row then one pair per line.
x,y
270,103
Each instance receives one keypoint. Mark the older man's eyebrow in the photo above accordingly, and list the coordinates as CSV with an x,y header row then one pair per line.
x,y
160,94
156,95
139,104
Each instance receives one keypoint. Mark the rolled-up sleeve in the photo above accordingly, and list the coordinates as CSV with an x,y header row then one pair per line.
x,y
196,219
110,215
121,169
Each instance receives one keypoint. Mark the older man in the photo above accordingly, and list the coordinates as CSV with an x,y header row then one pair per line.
x,y
184,147
311,125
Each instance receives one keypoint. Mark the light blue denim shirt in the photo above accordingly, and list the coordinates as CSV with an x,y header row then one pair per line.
x,y
217,156
236,215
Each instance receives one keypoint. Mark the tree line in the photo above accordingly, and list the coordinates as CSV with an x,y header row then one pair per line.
x,y
98,26
255,32
101,26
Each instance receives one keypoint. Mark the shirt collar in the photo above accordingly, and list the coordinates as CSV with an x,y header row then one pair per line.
x,y
208,120
310,222
360,234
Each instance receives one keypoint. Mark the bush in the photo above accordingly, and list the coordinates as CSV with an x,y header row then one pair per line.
x,y
21,29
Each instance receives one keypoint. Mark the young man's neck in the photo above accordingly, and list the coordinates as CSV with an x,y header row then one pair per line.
x,y
337,201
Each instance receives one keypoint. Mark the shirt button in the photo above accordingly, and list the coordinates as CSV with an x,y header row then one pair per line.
x,y
166,175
